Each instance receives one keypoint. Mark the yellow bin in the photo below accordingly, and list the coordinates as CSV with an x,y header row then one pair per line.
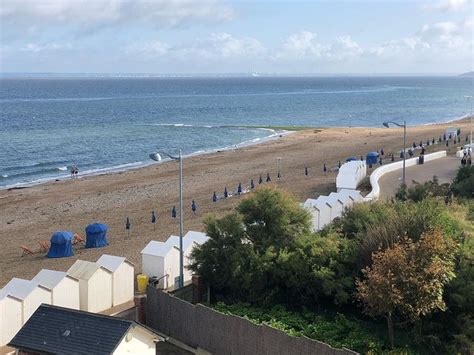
x,y
142,281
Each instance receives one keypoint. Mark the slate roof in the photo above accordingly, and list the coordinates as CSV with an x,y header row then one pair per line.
x,y
58,330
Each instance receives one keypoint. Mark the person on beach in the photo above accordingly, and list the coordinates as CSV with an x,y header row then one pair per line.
x,y
339,165
173,212
392,158
382,153
268,178
260,180
214,197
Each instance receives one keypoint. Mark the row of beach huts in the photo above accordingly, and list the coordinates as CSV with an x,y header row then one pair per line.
x,y
92,286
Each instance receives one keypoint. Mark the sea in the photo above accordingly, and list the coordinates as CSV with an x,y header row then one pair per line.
x,y
101,125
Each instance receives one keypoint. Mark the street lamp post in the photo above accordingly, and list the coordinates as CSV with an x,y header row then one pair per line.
x,y
157,157
404,125
470,97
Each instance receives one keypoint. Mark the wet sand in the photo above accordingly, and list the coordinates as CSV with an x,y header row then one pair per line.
x,y
32,214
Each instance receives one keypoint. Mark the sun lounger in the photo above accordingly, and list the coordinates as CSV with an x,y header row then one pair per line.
x,y
77,239
25,250
44,246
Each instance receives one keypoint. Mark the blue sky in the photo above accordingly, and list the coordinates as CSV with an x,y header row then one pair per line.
x,y
212,36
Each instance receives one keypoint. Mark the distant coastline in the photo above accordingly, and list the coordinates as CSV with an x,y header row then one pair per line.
x,y
468,74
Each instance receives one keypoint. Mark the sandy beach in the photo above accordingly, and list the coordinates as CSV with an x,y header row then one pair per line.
x,y
32,214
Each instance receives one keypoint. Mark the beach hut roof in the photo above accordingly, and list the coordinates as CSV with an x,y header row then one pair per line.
x,y
84,270
342,197
352,193
18,288
112,262
331,200
50,278
157,248
173,241
198,237
61,237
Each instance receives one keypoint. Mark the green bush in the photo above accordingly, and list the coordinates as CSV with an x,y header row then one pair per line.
x,y
463,185
335,329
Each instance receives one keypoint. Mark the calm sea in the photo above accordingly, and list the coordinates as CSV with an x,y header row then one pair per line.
x,y
47,125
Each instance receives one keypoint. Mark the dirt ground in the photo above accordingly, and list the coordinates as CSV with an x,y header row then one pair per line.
x,y
30,215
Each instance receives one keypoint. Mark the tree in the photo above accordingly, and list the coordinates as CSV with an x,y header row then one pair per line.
x,y
407,280
273,220
463,184
224,259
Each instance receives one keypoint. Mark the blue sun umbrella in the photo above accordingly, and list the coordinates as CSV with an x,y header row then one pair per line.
x,y
128,226
173,212
268,178
324,168
226,194
214,197
306,171
153,219
260,180
278,175
252,185
382,152
193,207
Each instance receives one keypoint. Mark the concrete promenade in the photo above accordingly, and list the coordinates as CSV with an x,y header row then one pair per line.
x,y
445,169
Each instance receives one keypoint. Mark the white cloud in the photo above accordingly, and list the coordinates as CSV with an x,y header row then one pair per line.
x,y
219,45
89,14
302,45
447,5
43,47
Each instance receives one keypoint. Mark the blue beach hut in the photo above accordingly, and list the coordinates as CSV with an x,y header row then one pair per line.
x,y
372,158
96,235
61,245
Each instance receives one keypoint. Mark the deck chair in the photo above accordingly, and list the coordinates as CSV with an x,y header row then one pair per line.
x,y
77,239
25,250
44,246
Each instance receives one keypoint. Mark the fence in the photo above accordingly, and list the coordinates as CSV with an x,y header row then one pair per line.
x,y
202,327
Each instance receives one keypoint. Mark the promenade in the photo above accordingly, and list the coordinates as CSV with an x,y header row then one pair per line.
x,y
445,169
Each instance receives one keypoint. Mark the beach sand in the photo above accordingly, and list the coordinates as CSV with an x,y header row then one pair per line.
x,y
32,214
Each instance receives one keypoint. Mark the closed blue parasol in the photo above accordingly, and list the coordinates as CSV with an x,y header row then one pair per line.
x,y
153,219
226,194
260,180
252,185
239,188
214,197
193,207
173,212
268,178
128,225
306,171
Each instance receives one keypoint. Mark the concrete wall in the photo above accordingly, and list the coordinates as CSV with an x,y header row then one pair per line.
x,y
200,326
384,169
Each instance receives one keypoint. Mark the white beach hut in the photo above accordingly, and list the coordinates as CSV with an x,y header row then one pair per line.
x,y
31,294
351,174
64,288
10,317
320,213
122,277
95,285
198,237
346,199
335,205
354,194
161,260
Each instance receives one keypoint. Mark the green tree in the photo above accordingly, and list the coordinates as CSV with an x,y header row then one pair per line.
x,y
407,280
273,220
463,184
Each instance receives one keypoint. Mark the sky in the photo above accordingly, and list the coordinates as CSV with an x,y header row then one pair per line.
x,y
213,37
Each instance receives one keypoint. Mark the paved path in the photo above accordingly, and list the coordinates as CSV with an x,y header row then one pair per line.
x,y
444,168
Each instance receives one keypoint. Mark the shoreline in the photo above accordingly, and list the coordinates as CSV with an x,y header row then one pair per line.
x,y
124,167
278,132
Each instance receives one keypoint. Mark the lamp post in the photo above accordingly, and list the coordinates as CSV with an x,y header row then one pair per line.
x,y
404,125
157,157
470,97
